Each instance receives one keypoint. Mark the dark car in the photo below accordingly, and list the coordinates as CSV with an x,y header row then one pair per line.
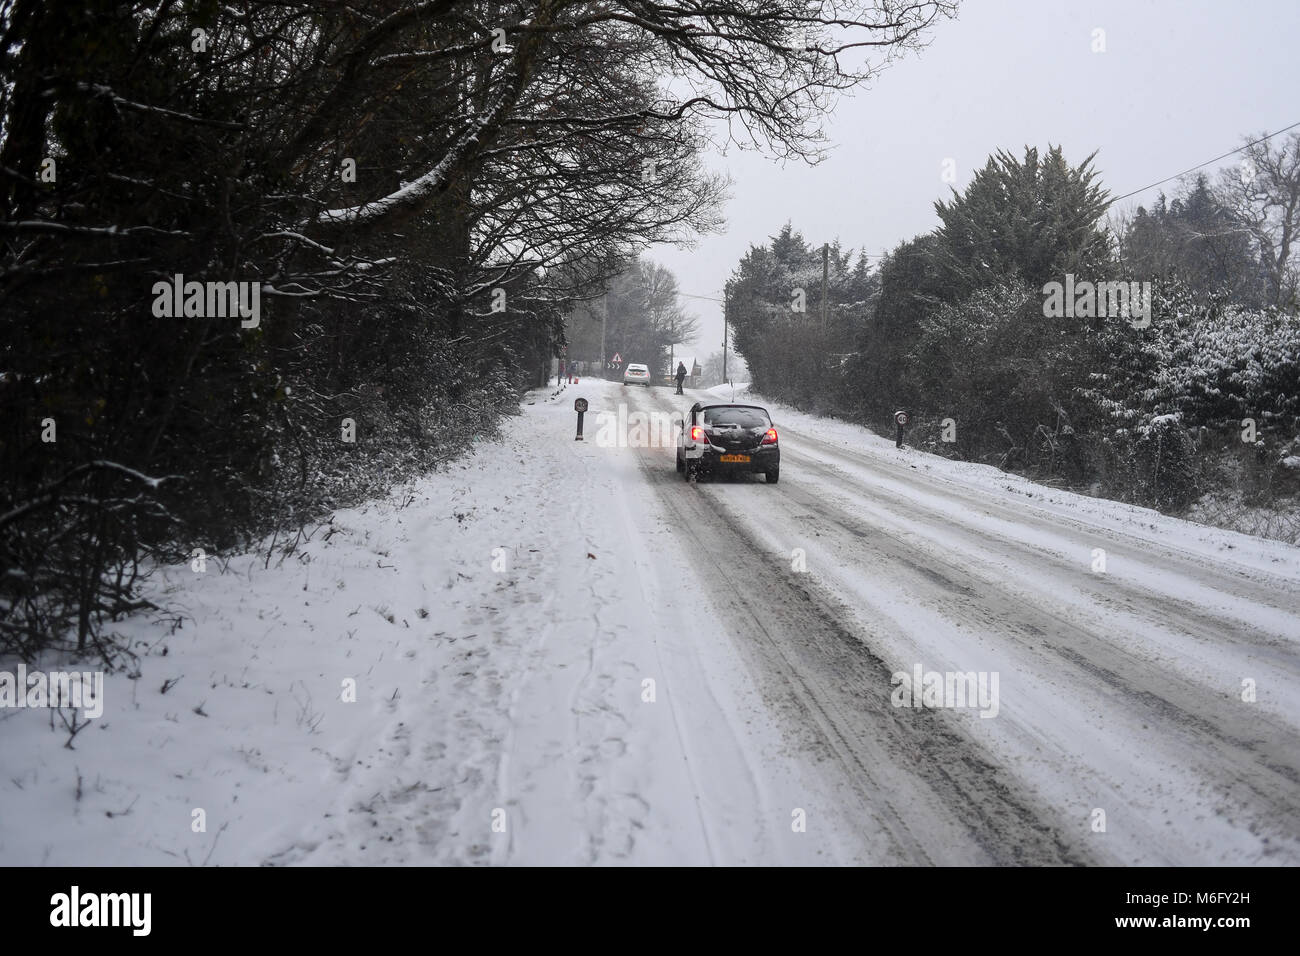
x,y
726,437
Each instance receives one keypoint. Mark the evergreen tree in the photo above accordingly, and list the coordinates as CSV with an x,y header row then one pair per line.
x,y
1032,221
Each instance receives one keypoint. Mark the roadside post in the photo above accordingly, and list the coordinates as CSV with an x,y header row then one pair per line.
x,y
579,406
900,419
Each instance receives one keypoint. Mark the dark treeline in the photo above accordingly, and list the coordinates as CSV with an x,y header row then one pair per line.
x,y
793,338
405,197
1194,391
639,317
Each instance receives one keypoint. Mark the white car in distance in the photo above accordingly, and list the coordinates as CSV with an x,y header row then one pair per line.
x,y
636,375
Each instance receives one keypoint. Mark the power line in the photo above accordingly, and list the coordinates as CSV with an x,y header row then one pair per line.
x,y
1206,163
1161,182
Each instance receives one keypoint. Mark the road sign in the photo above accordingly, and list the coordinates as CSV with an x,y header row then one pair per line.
x,y
617,359
579,406
900,417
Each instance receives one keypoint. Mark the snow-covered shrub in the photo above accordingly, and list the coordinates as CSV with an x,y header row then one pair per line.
x,y
1228,365
1206,392
398,436
1004,373
1133,413
1165,467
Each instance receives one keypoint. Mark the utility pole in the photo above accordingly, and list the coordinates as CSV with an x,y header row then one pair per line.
x,y
724,333
604,318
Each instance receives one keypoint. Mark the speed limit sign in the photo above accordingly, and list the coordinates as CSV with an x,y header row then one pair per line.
x,y
900,417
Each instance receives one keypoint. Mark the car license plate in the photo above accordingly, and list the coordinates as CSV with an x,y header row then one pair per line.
x,y
735,459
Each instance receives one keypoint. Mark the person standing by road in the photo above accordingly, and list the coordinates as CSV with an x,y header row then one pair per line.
x,y
681,376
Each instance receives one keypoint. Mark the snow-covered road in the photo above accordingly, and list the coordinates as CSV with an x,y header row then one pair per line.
x,y
564,654
1120,690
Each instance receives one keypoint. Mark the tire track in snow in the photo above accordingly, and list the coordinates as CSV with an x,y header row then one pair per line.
x,y
719,754
1278,592
913,773
1233,767
1250,757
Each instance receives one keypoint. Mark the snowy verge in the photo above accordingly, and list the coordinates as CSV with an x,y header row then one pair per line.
x,y
486,666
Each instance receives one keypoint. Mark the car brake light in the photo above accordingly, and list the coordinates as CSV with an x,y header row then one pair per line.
x,y
697,433
770,437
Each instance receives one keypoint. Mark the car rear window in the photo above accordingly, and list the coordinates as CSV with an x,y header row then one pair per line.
x,y
744,417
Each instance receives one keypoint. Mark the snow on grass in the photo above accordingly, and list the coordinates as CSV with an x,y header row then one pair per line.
x,y
454,674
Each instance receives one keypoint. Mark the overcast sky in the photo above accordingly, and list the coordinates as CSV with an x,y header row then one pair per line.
x,y
1179,83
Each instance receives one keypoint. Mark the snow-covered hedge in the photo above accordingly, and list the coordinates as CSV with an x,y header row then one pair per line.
x,y
1136,413
1209,365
